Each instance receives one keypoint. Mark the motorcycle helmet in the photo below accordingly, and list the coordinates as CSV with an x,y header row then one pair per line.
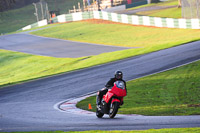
x,y
118,74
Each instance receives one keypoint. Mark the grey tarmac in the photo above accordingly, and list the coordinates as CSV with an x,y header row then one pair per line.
x,y
44,46
30,106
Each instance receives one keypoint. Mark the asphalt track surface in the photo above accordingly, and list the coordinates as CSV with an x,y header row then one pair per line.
x,y
52,47
31,106
143,9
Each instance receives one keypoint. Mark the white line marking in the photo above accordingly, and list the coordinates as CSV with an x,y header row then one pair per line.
x,y
69,106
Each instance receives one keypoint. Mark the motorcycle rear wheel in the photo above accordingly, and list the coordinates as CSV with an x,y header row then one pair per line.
x,y
113,109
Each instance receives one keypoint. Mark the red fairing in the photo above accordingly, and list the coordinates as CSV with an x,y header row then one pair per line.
x,y
118,92
115,91
108,96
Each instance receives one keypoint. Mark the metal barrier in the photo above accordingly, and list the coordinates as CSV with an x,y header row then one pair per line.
x,y
123,18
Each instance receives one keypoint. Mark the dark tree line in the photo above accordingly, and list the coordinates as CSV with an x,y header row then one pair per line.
x,y
12,4
6,4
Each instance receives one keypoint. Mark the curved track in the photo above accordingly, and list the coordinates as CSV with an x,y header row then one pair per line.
x,y
30,106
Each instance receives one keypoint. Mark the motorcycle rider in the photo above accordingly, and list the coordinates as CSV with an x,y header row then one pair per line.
x,y
110,84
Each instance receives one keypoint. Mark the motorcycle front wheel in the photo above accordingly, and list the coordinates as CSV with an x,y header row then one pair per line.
x,y
113,109
98,113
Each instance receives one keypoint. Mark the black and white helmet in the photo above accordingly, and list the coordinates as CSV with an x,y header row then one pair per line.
x,y
118,74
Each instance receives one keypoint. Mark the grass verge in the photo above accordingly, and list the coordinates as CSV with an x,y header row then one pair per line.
x,y
111,33
174,92
174,130
15,19
18,67
173,12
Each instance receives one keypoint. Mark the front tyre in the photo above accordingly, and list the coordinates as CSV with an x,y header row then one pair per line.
x,y
113,109
98,113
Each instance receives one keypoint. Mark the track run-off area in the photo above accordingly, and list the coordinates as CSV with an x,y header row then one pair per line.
x,y
33,106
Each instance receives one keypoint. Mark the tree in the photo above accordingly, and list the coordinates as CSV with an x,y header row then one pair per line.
x,y
1,5
6,4
9,3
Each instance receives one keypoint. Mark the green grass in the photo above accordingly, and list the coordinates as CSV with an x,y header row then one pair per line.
x,y
20,67
16,67
16,19
172,12
170,130
164,13
121,35
13,70
174,92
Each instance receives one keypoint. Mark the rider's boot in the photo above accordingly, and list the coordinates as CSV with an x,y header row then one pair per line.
x,y
98,102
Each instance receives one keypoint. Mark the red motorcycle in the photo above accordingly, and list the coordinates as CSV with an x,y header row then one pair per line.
x,y
112,101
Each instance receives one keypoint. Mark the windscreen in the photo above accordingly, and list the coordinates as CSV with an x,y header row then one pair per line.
x,y
120,84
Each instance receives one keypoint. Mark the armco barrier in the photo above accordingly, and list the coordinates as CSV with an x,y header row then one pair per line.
x,y
38,24
123,18
149,21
